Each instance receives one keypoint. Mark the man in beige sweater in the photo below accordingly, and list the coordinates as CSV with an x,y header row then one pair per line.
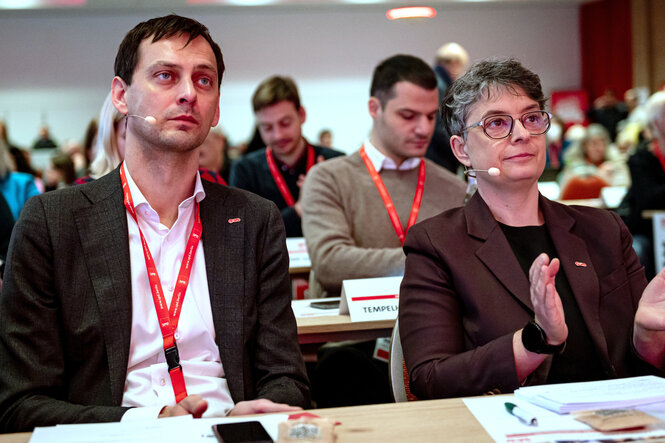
x,y
346,220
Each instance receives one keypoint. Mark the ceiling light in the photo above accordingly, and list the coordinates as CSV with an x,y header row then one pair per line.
x,y
411,12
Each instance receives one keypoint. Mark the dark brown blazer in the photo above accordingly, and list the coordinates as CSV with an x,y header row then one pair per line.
x,y
464,295
65,308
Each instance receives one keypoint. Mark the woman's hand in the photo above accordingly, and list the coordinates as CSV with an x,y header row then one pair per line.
x,y
649,327
546,302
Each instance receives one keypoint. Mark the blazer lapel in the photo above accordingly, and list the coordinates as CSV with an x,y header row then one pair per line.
x,y
224,250
492,252
102,227
578,267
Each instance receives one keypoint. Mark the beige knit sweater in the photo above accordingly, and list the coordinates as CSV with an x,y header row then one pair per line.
x,y
347,228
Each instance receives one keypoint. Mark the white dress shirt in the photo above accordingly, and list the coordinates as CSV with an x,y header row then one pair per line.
x,y
380,161
148,385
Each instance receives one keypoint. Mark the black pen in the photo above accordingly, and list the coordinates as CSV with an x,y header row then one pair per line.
x,y
521,414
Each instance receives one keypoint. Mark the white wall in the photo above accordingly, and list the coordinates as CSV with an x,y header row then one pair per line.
x,y
57,67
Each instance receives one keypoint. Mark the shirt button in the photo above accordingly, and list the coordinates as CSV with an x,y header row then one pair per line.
x,y
162,382
176,336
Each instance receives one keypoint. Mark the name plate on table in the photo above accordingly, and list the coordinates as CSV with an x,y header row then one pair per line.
x,y
298,256
366,299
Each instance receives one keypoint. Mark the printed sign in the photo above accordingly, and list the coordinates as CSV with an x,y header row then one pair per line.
x,y
298,256
367,299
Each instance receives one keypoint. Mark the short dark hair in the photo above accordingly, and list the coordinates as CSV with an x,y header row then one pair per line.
x,y
400,68
479,81
274,90
159,28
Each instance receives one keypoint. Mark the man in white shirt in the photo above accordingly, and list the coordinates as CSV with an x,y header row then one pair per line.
x,y
149,292
357,210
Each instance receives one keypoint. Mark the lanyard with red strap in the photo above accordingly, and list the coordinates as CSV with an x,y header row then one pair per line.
x,y
277,176
168,318
387,201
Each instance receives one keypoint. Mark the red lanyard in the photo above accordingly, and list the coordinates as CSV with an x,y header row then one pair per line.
x,y
277,176
387,201
168,318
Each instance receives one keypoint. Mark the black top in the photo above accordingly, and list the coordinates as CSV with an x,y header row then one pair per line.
x,y
252,173
579,360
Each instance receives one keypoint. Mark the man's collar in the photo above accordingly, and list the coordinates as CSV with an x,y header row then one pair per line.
x,y
380,161
138,198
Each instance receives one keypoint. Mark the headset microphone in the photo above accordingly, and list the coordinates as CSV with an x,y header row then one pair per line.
x,y
493,172
149,119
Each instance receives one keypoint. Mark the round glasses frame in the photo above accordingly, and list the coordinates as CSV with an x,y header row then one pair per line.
x,y
483,123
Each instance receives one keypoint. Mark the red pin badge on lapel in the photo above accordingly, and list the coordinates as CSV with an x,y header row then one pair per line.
x,y
580,264
234,220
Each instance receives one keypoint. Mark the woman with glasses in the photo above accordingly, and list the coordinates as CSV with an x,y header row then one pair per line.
x,y
514,289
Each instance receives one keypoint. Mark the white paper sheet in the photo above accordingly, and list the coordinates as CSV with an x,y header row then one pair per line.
x,y
167,430
490,411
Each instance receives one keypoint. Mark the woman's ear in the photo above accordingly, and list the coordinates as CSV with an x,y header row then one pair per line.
x,y
459,147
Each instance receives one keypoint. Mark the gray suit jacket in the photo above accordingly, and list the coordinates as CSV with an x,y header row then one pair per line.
x,y
65,309
464,295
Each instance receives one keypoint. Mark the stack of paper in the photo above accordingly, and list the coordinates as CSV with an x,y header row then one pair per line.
x,y
605,394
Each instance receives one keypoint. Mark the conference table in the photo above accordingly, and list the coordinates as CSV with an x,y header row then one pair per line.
x,y
333,326
419,421
339,327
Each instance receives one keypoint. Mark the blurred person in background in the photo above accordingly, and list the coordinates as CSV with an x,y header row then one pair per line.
x,y
325,138
60,173
555,141
109,146
647,170
594,157
88,145
278,170
16,187
214,154
44,140
451,61
21,157
608,111
76,153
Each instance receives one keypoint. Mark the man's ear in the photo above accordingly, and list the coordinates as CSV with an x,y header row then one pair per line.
x,y
118,91
374,106
458,145
302,115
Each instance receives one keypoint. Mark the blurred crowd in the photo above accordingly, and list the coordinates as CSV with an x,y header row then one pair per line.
x,y
616,152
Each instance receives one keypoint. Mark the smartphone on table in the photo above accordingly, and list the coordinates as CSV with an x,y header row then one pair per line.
x,y
242,432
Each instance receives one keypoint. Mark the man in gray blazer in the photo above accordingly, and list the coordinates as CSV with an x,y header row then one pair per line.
x,y
78,343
